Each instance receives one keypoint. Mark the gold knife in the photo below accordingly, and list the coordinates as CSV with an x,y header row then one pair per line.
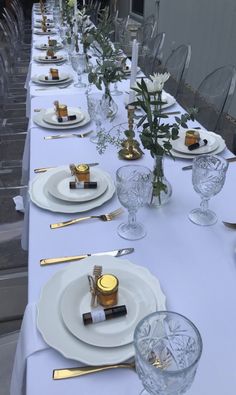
x,y
228,160
44,169
65,136
59,374
115,253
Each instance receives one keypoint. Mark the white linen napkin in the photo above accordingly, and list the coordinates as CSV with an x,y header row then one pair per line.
x,y
29,342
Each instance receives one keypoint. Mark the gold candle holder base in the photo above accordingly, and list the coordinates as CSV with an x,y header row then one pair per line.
x,y
131,150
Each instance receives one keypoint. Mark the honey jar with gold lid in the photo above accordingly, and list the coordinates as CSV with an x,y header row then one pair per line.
x,y
107,290
82,172
62,110
191,137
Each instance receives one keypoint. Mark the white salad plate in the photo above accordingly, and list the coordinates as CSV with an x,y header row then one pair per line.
x,y
51,325
50,117
40,195
41,20
134,293
39,120
58,186
168,101
46,46
63,79
179,145
42,59
47,33
48,25
220,147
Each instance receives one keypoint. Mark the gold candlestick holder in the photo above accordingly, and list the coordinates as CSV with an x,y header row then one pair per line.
x,y
131,148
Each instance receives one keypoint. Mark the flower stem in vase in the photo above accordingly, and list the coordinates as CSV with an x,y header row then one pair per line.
x,y
162,190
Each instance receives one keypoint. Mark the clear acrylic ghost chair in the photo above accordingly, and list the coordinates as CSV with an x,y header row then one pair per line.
x,y
214,96
177,65
150,60
8,343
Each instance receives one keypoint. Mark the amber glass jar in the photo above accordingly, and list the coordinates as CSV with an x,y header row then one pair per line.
x,y
62,110
107,290
82,172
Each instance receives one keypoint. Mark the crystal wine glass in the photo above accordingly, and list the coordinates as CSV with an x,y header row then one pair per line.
x,y
168,347
134,186
78,62
97,109
208,178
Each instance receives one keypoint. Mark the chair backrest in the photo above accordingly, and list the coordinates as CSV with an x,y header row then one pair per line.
x,y
152,58
177,65
214,95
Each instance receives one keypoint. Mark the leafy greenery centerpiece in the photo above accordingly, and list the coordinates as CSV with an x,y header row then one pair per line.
x,y
156,134
109,65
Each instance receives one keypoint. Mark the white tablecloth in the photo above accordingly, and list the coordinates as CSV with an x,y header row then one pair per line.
x,y
196,265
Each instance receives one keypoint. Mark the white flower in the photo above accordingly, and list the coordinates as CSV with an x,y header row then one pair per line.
x,y
157,82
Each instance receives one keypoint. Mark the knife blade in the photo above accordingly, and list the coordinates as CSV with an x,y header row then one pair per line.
x,y
228,160
65,136
115,253
44,169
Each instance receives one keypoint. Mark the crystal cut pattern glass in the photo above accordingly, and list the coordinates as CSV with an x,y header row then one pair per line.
x,y
168,347
134,186
208,177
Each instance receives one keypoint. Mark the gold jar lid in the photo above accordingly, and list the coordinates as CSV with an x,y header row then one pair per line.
x,y
192,133
82,168
107,283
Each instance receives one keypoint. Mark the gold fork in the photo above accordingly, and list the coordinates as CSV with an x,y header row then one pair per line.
x,y
59,374
103,217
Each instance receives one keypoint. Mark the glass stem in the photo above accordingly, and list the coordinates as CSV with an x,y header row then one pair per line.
x,y
79,78
204,204
132,218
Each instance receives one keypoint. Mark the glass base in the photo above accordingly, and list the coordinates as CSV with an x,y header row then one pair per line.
x,y
94,139
116,93
203,218
80,85
129,232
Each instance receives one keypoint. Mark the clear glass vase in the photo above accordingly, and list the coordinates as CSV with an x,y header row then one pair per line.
x,y
162,190
111,105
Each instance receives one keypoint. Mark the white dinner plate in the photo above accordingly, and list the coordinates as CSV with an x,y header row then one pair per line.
x,y
50,117
220,147
168,101
40,196
48,25
41,59
47,33
133,292
179,145
48,20
63,79
58,186
46,46
49,320
38,119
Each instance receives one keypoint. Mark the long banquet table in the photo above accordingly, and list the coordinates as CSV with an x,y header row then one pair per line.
x,y
196,266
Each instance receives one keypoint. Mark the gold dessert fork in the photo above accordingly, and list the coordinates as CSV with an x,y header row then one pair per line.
x,y
103,217
59,374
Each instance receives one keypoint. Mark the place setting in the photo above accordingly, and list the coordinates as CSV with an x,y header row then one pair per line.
x,y
53,58
72,189
62,117
53,78
44,32
194,142
87,322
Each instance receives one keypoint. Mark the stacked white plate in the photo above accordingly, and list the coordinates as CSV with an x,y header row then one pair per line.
x,y
215,145
48,119
49,25
167,99
63,79
48,20
48,32
51,191
46,59
46,47
66,297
